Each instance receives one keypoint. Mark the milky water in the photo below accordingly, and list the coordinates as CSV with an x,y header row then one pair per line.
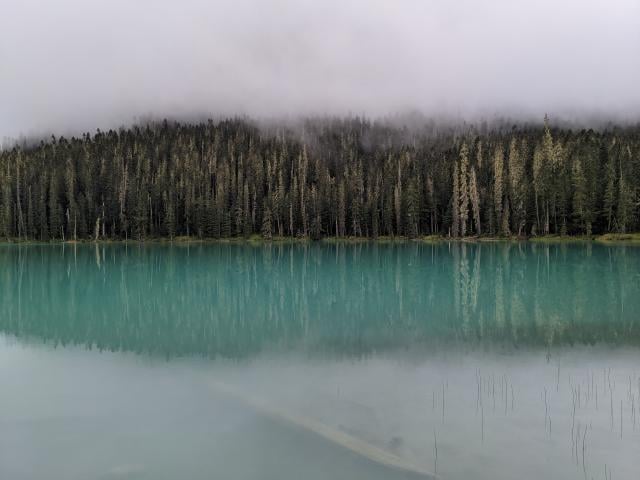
x,y
506,360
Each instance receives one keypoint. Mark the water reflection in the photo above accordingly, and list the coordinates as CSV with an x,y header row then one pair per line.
x,y
462,367
237,300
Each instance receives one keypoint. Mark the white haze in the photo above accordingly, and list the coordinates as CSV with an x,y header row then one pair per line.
x,y
74,65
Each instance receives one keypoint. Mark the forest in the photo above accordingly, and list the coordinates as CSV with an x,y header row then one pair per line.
x,y
323,177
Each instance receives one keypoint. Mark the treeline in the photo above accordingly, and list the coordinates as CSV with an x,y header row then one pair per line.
x,y
327,177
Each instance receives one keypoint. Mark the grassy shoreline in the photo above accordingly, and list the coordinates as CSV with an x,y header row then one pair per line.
x,y
609,238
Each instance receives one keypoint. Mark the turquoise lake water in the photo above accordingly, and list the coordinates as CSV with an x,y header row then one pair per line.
x,y
511,360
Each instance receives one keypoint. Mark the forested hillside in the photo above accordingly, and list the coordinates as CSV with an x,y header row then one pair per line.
x,y
328,177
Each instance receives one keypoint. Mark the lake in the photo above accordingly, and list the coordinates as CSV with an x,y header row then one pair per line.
x,y
288,361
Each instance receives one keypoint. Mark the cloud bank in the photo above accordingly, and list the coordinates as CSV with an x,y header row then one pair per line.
x,y
74,65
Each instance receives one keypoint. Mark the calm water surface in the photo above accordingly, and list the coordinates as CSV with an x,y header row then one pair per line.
x,y
472,361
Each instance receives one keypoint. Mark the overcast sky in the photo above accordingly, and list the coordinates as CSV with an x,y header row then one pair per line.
x,y
81,64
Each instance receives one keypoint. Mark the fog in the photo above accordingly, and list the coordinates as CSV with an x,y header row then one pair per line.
x,y
74,65
491,415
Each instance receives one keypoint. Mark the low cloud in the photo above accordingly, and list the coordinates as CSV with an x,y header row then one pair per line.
x,y
74,65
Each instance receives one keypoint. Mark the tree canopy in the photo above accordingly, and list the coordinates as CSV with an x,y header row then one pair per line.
x,y
325,177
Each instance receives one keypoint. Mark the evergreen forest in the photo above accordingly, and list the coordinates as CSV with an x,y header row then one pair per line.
x,y
324,177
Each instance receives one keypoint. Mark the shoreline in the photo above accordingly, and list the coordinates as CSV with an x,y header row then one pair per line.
x,y
609,238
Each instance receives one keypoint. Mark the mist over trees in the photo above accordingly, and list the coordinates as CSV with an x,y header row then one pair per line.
x,y
329,177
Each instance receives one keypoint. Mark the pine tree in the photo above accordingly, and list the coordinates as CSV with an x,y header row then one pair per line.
x,y
625,205
6,200
463,185
498,185
549,166
538,185
413,208
610,192
247,226
517,186
357,189
505,218
432,208
397,201
316,217
475,200
455,201
580,197
55,210
170,216
342,214
266,224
